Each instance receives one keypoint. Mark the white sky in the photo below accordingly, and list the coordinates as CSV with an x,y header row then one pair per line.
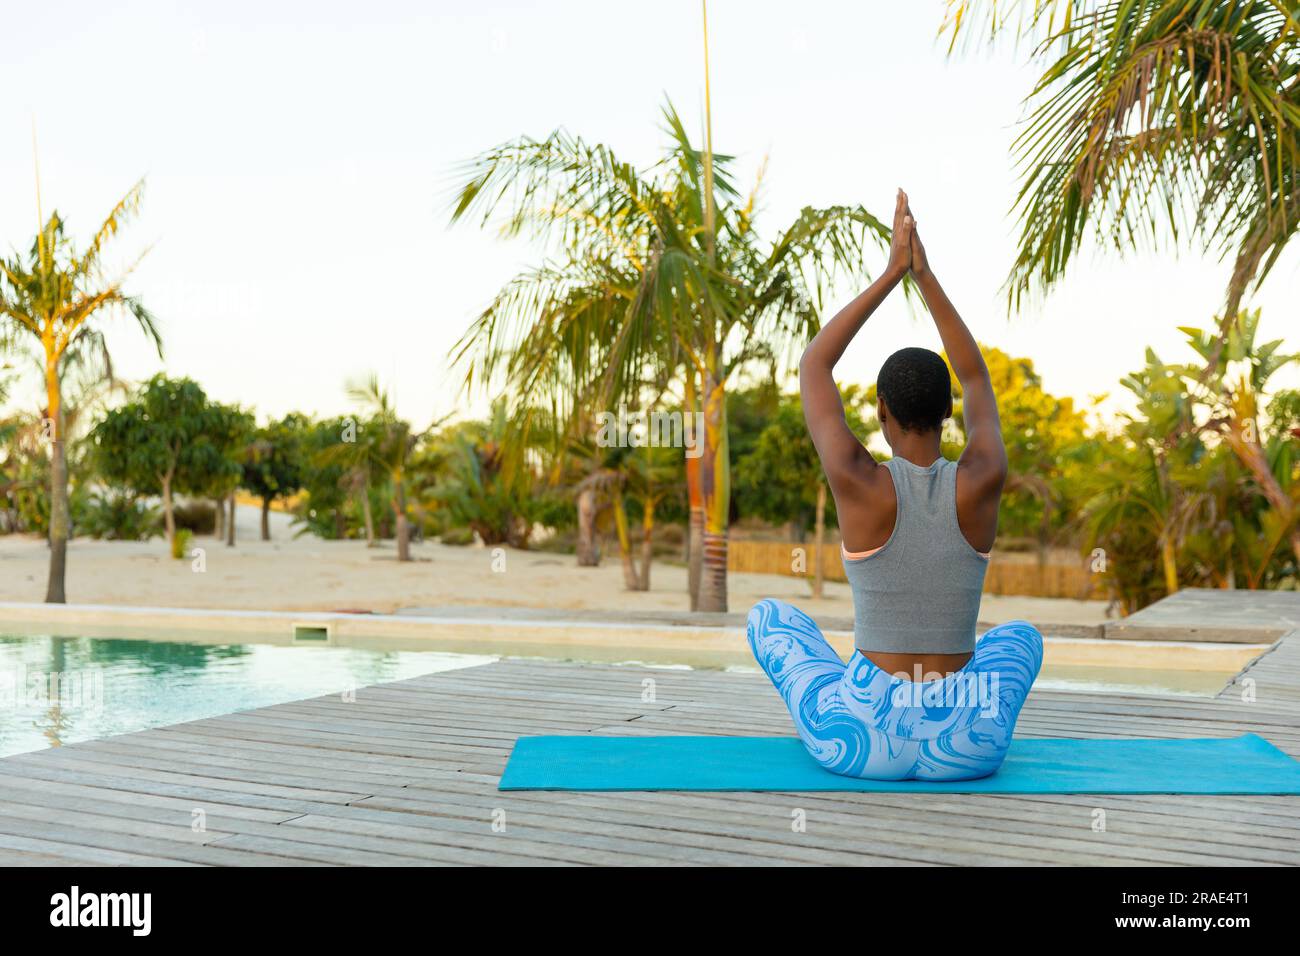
x,y
298,158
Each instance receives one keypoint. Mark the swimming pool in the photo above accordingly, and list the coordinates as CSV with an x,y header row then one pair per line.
x,y
57,690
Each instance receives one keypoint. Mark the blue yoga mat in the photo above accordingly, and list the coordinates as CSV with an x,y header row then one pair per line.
x,y
1246,764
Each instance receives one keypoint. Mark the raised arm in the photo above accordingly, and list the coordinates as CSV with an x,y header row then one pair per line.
x,y
984,456
841,454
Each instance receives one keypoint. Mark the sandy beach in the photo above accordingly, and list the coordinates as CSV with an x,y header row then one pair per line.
x,y
308,574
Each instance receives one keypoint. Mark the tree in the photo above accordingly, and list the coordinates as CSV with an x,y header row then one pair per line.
x,y
616,476
1240,370
1042,433
218,456
782,476
1167,499
1158,119
54,299
637,277
1154,118
160,443
86,381
392,444
1148,491
654,476
273,463
480,486
355,447
332,475
749,411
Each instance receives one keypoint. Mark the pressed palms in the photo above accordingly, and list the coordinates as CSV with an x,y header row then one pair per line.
x,y
635,280
52,299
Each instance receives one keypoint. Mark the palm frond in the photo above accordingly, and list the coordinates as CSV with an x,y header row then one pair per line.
x,y
87,265
1154,121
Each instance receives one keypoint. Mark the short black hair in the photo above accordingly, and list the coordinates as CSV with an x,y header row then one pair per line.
x,y
916,386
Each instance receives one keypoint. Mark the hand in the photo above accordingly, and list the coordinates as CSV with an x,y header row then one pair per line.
x,y
920,264
900,244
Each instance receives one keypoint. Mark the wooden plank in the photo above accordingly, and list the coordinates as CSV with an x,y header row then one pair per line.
x,y
901,829
124,841
27,858
406,774
73,854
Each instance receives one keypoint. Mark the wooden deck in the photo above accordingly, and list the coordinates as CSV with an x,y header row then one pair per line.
x,y
406,775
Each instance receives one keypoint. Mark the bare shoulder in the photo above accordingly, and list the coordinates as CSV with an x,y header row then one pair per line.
x,y
981,474
867,505
979,491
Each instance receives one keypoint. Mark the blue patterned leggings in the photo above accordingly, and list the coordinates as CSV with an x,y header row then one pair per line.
x,y
859,721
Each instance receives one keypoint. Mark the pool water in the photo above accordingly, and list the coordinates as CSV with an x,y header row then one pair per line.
x,y
57,690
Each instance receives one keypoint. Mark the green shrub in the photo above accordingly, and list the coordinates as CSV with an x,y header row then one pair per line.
x,y
457,536
200,517
181,543
117,516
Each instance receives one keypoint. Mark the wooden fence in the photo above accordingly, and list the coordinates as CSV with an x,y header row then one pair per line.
x,y
1018,575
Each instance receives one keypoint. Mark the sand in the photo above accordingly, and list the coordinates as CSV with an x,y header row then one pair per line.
x,y
295,574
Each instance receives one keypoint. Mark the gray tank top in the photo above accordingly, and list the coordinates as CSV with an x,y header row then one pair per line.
x,y
920,592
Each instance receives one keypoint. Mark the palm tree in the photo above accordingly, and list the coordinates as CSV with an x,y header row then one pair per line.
x,y
635,280
644,475
1135,495
356,453
51,299
1157,119
1142,492
1152,119
477,476
1234,404
389,450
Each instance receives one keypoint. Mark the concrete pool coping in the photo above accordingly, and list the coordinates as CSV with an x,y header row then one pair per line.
x,y
516,634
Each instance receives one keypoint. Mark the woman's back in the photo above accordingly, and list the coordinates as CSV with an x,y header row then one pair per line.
x,y
919,593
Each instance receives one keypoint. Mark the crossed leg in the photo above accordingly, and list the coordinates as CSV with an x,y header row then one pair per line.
x,y
851,723
809,675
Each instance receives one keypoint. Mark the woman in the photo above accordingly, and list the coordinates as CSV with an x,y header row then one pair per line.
x,y
918,699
